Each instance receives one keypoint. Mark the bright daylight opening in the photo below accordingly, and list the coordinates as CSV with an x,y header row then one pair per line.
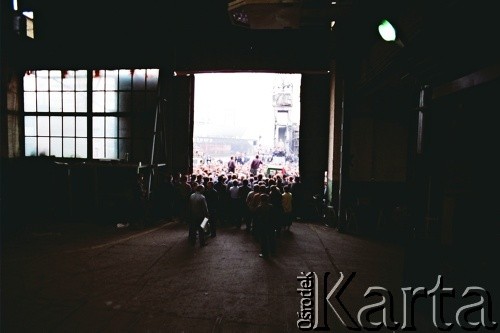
x,y
244,115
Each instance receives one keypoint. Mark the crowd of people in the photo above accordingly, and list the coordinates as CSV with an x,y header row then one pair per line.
x,y
242,166
265,206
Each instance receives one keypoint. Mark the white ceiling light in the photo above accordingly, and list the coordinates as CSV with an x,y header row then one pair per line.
x,y
388,33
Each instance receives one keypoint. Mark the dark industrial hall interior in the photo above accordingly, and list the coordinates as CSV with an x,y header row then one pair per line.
x,y
398,134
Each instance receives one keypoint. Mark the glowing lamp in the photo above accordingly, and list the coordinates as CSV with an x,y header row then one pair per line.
x,y
388,32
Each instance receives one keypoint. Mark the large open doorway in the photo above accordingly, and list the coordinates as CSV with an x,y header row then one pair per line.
x,y
244,115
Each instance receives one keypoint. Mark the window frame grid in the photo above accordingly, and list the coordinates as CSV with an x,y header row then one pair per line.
x,y
123,117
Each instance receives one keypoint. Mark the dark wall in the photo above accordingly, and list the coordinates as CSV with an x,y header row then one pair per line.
x,y
379,147
40,190
462,166
314,126
178,120
34,190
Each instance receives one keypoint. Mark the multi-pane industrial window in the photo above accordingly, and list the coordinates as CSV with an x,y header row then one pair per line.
x,y
85,113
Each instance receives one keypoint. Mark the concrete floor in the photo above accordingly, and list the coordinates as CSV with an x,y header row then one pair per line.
x,y
95,278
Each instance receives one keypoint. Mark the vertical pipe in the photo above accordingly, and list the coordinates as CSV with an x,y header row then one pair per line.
x,y
191,87
341,159
331,139
90,79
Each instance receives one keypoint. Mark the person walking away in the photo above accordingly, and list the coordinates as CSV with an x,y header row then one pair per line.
x,y
223,191
243,191
298,198
254,165
286,201
198,210
212,197
253,201
234,206
275,199
265,227
231,165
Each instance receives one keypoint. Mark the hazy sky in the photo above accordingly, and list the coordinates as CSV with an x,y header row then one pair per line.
x,y
239,104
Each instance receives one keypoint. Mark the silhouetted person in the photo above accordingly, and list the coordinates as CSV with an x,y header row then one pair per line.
x,y
253,201
212,197
243,191
286,201
298,198
198,210
183,191
220,187
275,199
231,165
264,227
254,165
234,204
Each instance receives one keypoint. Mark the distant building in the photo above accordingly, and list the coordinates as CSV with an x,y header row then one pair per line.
x,y
285,130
